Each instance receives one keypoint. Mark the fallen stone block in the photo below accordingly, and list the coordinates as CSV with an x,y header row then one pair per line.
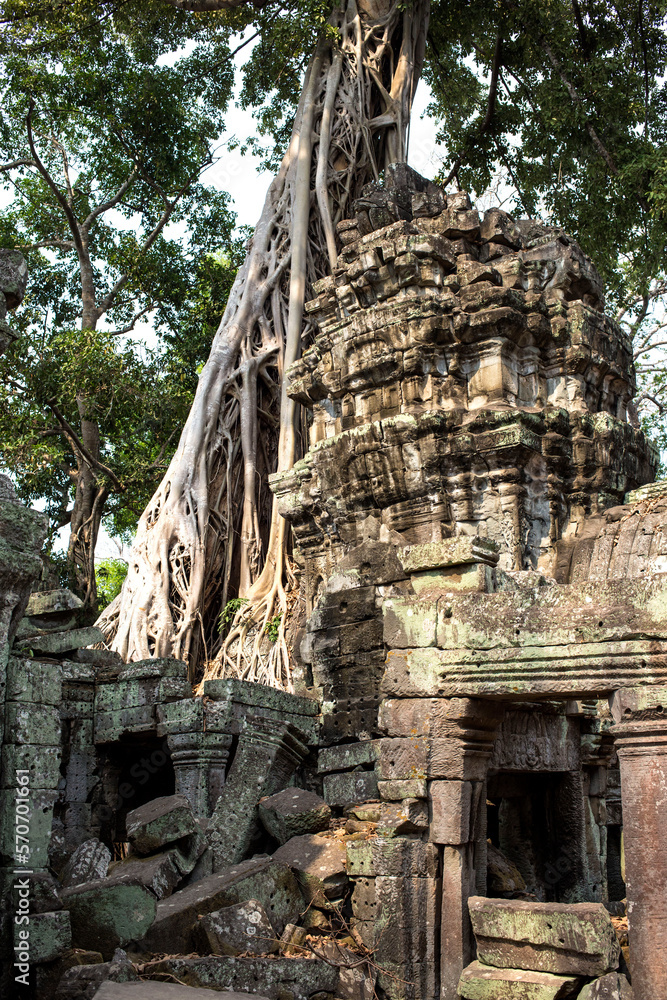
x,y
291,940
503,876
160,822
261,878
293,812
57,643
613,986
49,975
160,873
278,978
319,863
482,982
50,935
81,982
565,939
44,893
89,863
243,927
106,915
162,991
355,981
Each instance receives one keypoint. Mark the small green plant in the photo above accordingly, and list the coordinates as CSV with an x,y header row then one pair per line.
x,y
110,575
272,627
229,611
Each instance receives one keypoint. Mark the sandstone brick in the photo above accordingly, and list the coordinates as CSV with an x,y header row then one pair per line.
x,y
240,928
482,982
159,822
319,863
106,916
565,939
450,805
292,812
269,882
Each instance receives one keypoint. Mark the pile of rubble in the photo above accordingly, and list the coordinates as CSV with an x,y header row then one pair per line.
x,y
279,923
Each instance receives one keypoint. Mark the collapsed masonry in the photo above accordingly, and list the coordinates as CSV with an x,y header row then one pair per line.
x,y
480,716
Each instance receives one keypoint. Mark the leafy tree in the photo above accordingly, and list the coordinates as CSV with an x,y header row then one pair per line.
x,y
110,574
103,144
566,99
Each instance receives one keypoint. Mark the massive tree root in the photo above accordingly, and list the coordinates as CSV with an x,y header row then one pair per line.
x,y
211,530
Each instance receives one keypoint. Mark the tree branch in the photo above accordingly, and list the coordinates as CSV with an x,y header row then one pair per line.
x,y
105,206
13,164
78,445
595,138
62,200
200,6
490,108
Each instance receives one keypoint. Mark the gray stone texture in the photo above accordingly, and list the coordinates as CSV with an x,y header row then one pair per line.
x,y
272,884
243,928
161,821
89,862
292,812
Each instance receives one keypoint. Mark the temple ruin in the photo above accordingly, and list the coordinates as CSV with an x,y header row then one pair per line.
x,y
464,794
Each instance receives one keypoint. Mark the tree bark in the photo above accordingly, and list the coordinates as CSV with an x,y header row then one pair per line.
x,y
211,528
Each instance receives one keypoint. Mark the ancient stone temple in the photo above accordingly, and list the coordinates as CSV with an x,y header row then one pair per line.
x,y
464,795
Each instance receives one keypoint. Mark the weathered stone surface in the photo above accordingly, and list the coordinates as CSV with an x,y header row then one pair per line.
x,y
89,863
162,991
243,927
105,915
44,893
482,982
261,878
394,856
50,935
81,982
276,978
450,807
503,877
565,939
52,602
400,818
58,643
293,812
319,863
352,786
160,873
613,986
159,822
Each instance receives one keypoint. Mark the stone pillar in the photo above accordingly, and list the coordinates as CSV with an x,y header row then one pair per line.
x,y
640,732
268,753
453,753
200,761
457,809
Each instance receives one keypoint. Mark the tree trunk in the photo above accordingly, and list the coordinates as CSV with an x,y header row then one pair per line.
x,y
211,528
90,494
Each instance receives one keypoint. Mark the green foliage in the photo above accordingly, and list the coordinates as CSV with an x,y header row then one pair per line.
x,y
229,611
109,113
272,627
578,125
110,575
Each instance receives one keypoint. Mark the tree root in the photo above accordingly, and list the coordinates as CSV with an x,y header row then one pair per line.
x,y
212,530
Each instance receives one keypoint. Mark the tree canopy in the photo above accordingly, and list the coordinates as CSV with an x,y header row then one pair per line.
x,y
113,109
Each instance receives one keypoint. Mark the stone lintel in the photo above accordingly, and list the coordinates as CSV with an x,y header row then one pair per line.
x,y
449,552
